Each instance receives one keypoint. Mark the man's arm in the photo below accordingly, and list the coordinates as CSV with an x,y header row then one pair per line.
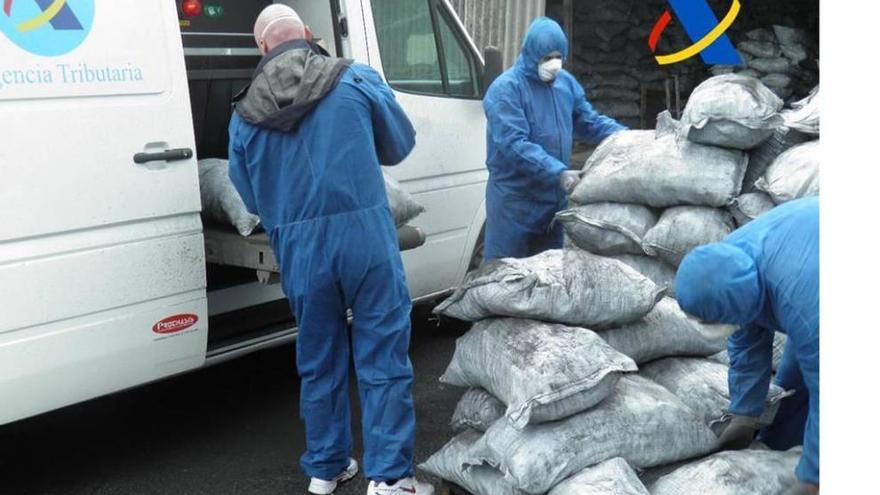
x,y
590,125
393,131
751,366
509,132
238,169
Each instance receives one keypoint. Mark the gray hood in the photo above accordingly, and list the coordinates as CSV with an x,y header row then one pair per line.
x,y
288,84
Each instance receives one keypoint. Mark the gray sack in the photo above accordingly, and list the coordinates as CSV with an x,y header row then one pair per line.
x,y
749,73
476,410
542,371
608,228
665,331
780,84
702,385
791,36
761,34
641,422
776,80
797,54
683,228
794,174
760,158
740,472
612,477
779,65
760,48
804,114
448,464
750,206
733,111
404,207
565,286
220,200
658,169
660,272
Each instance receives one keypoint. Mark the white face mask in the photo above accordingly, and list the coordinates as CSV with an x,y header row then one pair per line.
x,y
548,70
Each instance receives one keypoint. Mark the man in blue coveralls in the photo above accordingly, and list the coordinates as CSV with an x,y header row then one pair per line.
x,y
763,278
306,140
533,110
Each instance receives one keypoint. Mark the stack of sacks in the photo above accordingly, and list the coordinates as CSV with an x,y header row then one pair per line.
x,y
607,53
553,401
784,167
649,197
641,422
612,477
541,376
609,56
701,384
783,58
539,379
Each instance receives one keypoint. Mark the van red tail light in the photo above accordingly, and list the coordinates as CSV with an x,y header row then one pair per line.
x,y
191,8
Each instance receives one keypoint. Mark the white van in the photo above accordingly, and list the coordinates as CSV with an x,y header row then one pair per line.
x,y
105,279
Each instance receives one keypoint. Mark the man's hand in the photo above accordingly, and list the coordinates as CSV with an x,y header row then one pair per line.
x,y
739,433
568,180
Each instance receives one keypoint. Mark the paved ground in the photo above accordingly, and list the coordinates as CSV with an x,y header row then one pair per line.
x,y
229,429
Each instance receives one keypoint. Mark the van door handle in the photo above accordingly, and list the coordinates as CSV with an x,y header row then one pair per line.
x,y
167,155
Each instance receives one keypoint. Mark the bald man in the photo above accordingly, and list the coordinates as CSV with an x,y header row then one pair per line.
x,y
306,140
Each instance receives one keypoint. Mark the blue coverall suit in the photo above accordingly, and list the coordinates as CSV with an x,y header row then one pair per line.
x,y
529,132
764,277
309,167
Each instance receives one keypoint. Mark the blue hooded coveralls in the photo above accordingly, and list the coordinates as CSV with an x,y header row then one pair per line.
x,y
306,141
529,131
764,277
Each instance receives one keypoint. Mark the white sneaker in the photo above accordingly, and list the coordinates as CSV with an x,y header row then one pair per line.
x,y
406,486
327,487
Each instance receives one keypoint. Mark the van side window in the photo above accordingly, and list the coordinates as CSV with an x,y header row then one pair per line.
x,y
421,51
407,45
461,67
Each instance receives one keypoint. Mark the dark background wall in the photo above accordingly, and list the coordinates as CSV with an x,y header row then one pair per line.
x,y
611,58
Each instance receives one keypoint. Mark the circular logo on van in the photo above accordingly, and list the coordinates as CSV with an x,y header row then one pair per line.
x,y
47,27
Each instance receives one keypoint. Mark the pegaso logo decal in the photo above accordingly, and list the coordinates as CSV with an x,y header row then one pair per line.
x,y
702,27
176,323
47,27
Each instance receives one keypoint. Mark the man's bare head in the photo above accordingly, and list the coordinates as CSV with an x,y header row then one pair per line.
x,y
278,24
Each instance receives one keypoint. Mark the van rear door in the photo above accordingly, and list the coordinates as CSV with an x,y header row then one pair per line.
x,y
102,272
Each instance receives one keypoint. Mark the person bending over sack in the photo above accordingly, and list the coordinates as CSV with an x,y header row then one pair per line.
x,y
764,278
